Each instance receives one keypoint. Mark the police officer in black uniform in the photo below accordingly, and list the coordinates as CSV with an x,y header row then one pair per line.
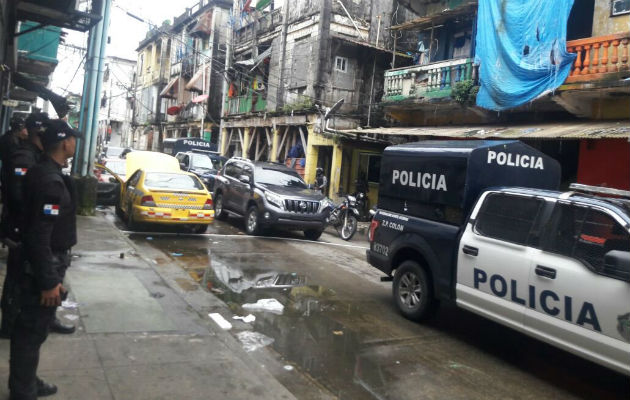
x,y
14,167
9,142
49,233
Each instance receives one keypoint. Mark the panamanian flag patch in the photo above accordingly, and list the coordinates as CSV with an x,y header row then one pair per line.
x,y
21,171
51,209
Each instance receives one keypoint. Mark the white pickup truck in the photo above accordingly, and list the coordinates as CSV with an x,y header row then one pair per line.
x,y
553,265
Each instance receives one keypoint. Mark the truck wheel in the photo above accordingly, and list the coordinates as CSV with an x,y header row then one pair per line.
x,y
251,221
413,292
219,211
312,234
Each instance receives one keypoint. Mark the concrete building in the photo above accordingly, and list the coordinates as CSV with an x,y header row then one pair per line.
x,y
197,64
152,72
116,113
583,123
294,59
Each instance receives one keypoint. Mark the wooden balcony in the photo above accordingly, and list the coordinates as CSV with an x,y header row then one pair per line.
x,y
599,58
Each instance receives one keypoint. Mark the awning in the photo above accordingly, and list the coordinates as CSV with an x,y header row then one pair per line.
x,y
368,45
170,90
253,62
468,8
196,83
558,130
62,14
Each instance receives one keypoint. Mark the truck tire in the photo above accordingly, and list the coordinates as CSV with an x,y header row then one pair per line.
x,y
413,292
219,210
251,221
312,234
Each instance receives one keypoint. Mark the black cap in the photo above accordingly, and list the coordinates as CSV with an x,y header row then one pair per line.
x,y
56,131
17,123
36,121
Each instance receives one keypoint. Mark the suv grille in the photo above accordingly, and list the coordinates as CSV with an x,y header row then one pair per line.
x,y
302,206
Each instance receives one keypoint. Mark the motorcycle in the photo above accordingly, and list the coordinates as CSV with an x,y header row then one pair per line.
x,y
343,217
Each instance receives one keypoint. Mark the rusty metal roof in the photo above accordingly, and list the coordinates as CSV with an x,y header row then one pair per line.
x,y
557,130
468,8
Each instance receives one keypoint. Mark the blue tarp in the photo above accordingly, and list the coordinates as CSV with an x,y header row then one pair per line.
x,y
521,48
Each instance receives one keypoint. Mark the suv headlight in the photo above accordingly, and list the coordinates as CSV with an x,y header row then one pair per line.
x,y
274,199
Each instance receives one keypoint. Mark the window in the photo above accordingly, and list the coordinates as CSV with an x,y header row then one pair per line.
x,y
619,7
155,180
586,235
369,167
279,177
133,181
341,64
233,170
507,217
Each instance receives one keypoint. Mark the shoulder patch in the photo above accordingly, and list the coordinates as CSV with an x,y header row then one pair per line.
x,y
51,209
20,171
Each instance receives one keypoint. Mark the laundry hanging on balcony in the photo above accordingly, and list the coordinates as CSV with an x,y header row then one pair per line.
x,y
521,46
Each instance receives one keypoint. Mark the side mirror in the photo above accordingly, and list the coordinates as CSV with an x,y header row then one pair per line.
x,y
182,166
112,180
617,264
244,179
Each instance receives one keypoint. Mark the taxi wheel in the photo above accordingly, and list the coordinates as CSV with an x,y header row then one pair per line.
x,y
219,211
251,221
413,292
120,213
200,228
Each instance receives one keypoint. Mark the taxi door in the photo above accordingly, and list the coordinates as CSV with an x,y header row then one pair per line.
x,y
582,295
494,259
108,186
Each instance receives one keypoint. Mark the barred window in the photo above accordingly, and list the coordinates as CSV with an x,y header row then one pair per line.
x,y
508,217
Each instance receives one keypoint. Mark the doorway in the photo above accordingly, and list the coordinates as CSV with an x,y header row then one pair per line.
x,y
580,23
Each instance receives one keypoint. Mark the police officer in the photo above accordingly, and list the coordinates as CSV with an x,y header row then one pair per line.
x,y
49,233
14,167
9,142
321,182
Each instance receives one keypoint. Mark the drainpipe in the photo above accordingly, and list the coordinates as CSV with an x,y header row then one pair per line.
x,y
378,34
283,50
78,153
228,63
89,164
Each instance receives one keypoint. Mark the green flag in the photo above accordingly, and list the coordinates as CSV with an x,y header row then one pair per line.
x,y
261,4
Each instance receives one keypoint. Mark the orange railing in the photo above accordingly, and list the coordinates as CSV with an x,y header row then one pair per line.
x,y
597,57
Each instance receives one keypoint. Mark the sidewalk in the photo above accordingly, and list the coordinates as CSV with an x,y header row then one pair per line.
x,y
143,333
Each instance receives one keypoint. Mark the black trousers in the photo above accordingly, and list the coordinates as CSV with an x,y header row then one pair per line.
x,y
9,303
30,331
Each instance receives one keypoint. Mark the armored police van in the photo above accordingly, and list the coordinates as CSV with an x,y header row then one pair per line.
x,y
481,223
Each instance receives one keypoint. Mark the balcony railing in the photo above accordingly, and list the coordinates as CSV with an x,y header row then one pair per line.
x,y
243,104
599,57
428,81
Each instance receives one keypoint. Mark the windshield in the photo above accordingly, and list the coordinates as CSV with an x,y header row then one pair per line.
x,y
202,161
118,167
280,178
113,151
156,180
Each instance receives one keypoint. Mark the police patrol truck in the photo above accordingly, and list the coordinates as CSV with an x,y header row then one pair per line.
x,y
481,223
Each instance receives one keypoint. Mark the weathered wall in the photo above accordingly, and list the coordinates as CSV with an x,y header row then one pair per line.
x,y
604,23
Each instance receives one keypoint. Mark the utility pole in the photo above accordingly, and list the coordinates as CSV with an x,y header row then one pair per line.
x,y
90,105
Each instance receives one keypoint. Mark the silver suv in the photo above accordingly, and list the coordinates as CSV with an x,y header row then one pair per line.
x,y
269,195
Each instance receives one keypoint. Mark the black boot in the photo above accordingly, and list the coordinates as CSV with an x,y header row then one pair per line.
x,y
57,327
45,389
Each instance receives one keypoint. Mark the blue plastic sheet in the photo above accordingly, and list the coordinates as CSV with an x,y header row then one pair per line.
x,y
521,48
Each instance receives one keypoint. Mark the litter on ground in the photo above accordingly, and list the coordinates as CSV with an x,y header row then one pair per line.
x,y
69,304
253,341
270,305
219,320
248,318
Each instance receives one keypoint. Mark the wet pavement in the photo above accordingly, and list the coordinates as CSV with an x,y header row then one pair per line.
x,y
340,336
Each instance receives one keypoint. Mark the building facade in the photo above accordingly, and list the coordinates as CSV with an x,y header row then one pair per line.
x,y
116,113
583,123
292,60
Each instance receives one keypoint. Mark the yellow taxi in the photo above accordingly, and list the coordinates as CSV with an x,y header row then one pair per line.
x,y
157,191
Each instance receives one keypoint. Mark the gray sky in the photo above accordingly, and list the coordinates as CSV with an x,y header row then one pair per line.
x,y
125,33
